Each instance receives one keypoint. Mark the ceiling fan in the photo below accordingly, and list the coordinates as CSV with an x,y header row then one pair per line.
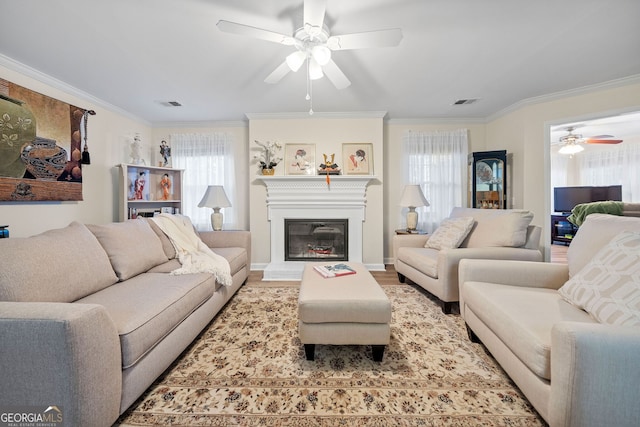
x,y
570,142
313,45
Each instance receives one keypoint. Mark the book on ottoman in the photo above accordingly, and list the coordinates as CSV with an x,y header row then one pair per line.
x,y
334,270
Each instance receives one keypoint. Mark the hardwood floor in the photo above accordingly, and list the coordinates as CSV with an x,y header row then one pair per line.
x,y
559,254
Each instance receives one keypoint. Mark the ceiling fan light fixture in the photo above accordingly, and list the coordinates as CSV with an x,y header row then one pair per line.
x,y
570,148
321,54
296,59
315,70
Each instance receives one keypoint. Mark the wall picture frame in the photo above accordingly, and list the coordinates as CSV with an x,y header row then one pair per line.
x,y
300,159
357,159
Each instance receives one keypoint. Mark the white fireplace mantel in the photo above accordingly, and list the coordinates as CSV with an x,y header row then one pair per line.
x,y
298,197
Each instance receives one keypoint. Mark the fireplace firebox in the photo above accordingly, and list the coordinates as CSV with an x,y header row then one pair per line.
x,y
306,239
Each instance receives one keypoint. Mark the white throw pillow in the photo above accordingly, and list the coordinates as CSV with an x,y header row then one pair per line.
x,y
450,234
608,287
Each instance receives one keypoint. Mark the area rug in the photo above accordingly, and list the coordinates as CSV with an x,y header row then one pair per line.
x,y
248,368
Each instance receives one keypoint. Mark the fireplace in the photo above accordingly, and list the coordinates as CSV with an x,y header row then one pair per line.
x,y
312,198
313,239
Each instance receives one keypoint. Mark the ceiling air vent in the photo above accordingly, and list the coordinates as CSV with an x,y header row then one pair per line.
x,y
171,103
465,101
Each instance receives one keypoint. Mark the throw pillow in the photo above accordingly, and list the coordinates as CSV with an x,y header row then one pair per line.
x,y
132,246
450,234
608,287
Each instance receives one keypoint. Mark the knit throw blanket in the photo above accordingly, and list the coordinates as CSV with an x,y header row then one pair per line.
x,y
194,255
581,211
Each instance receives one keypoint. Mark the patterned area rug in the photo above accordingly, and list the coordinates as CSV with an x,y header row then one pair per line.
x,y
248,369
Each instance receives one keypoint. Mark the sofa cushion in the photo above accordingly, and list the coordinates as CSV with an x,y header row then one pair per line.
x,y
522,318
495,227
167,246
147,307
595,232
450,233
425,260
237,258
132,246
59,265
608,287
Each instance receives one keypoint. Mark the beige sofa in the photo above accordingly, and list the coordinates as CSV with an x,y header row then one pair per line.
x,y
90,316
496,234
575,370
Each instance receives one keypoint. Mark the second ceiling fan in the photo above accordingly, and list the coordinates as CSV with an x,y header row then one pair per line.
x,y
314,44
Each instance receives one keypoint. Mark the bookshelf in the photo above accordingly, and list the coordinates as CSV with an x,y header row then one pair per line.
x,y
147,190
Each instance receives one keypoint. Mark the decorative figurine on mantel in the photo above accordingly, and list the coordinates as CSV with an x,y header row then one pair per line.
x,y
329,167
165,152
136,151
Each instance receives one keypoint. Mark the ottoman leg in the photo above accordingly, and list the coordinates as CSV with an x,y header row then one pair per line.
x,y
378,352
309,351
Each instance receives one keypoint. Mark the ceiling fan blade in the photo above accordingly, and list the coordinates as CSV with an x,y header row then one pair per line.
x,y
335,74
601,136
259,33
603,141
277,74
379,38
314,13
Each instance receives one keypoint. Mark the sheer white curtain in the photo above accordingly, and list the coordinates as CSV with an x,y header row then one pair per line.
x,y
207,159
437,161
616,165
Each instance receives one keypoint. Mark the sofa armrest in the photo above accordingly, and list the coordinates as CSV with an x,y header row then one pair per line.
x,y
594,375
514,273
408,240
228,239
62,354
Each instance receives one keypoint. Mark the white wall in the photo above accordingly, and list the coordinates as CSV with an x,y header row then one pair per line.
x,y
108,139
328,133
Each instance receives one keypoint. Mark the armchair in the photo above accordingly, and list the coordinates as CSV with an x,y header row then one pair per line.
x,y
496,234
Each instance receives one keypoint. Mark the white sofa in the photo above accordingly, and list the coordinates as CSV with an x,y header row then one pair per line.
x,y
496,234
575,370
90,315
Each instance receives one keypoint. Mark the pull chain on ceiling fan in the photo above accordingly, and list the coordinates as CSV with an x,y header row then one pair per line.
x,y
314,45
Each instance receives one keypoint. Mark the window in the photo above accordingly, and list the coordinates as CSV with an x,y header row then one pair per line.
x,y
207,159
437,161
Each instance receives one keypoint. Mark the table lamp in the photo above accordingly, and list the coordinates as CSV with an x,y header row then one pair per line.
x,y
412,197
215,198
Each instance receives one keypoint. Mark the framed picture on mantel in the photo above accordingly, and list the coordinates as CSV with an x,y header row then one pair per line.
x,y
357,159
300,159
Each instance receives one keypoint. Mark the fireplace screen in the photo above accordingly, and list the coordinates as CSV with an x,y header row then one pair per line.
x,y
312,238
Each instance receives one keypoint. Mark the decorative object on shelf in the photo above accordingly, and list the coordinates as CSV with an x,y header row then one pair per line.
x,y
44,159
215,198
412,197
300,159
86,157
138,186
165,185
165,152
268,157
357,159
136,151
329,167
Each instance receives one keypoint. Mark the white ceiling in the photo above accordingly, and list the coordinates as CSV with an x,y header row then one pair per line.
x,y
138,54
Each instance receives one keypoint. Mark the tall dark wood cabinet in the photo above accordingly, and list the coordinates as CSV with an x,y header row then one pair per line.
x,y
488,179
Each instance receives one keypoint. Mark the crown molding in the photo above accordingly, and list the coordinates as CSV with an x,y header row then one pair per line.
x,y
27,71
203,124
437,120
583,90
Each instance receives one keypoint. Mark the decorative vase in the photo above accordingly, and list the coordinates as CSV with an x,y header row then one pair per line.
x,y
17,128
44,159
268,171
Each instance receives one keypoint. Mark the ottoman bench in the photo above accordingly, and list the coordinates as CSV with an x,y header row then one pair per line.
x,y
345,310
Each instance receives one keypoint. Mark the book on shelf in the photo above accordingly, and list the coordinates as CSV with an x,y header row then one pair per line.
x,y
334,270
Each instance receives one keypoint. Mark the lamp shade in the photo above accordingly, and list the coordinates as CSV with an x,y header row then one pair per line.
x,y
412,196
214,197
570,148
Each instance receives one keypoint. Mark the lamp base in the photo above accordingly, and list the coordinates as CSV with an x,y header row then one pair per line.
x,y
216,220
412,219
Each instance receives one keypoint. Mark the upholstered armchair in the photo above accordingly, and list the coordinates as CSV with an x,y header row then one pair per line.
x,y
431,261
